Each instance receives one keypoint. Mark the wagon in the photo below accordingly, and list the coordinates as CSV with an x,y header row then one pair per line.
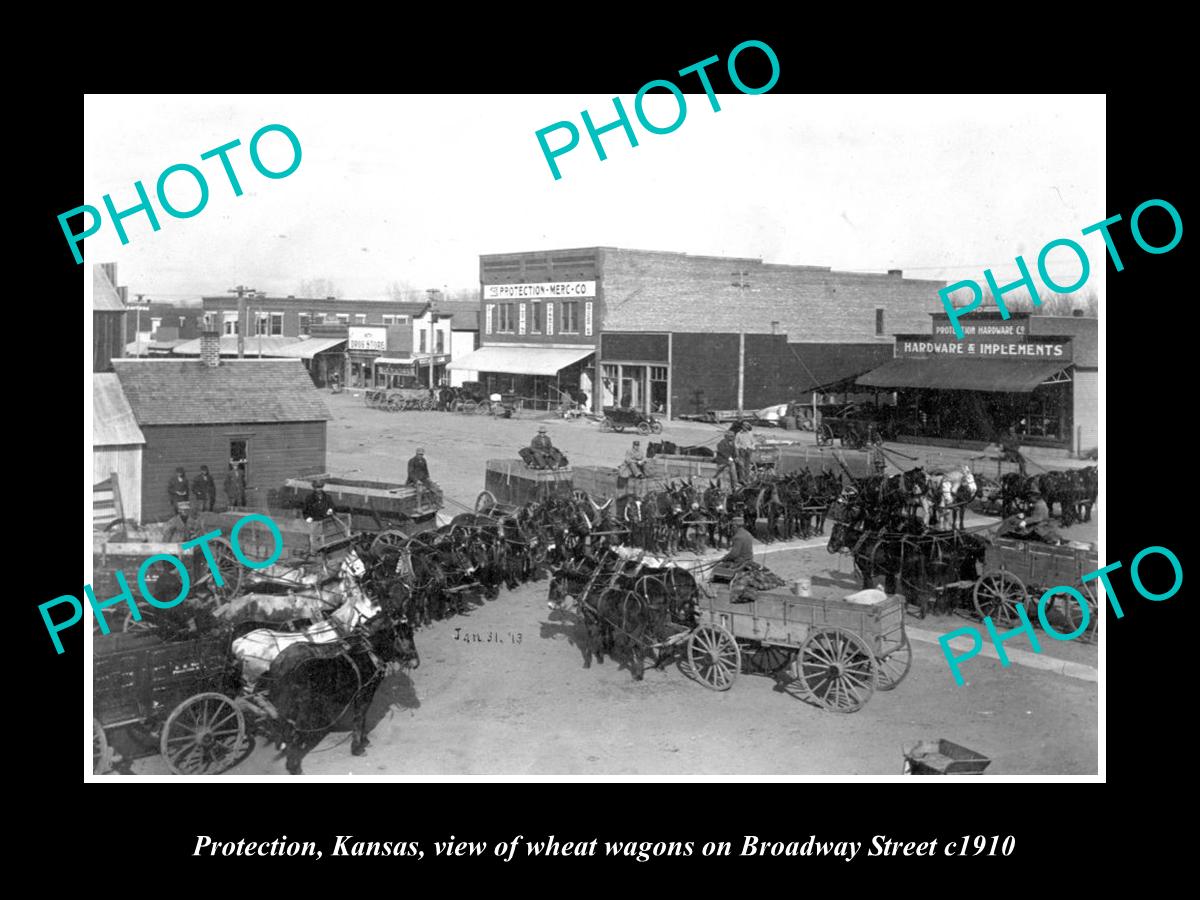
x,y
1018,572
509,484
127,550
311,555
618,418
392,512
835,652
396,399
178,693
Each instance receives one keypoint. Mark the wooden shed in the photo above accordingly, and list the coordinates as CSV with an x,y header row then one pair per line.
x,y
117,445
263,415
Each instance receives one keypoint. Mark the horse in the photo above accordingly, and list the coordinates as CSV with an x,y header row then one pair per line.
x,y
258,648
952,491
312,686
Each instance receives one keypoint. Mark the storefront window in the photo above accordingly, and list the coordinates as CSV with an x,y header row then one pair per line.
x,y
535,318
568,323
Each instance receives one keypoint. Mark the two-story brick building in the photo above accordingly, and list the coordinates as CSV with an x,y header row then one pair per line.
x,y
674,333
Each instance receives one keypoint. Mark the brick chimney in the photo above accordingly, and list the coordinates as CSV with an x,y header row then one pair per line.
x,y
210,347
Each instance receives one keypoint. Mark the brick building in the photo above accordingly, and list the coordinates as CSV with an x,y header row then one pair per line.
x,y
1038,374
263,415
674,333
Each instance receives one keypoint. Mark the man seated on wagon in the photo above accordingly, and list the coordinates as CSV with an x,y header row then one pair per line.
x,y
181,527
318,505
418,469
543,457
634,465
1036,525
741,552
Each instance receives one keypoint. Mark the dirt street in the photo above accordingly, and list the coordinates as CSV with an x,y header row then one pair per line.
x,y
502,691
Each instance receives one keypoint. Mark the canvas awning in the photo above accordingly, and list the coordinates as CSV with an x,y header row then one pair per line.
x,y
521,360
992,375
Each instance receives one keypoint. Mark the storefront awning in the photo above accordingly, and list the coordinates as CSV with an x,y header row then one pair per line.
x,y
392,361
520,360
992,375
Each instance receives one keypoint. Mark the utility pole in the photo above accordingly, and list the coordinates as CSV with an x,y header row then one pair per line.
x,y
241,291
138,328
258,325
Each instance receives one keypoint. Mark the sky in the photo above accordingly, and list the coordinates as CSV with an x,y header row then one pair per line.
x,y
413,188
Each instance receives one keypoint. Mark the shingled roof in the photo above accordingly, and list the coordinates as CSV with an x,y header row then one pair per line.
x,y
104,293
113,422
188,392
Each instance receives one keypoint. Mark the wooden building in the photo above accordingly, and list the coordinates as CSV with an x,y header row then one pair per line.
x,y
263,415
108,317
117,445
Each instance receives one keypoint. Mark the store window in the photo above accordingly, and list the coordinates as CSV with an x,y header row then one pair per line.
x,y
506,324
535,318
389,320
305,326
229,322
878,321
658,389
276,323
421,348
360,318
441,342
343,318
568,323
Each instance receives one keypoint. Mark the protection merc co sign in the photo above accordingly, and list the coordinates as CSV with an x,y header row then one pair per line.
x,y
539,290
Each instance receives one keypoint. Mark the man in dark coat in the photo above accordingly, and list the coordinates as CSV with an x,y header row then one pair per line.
x,y
180,528
1010,449
741,547
177,489
541,446
725,456
318,505
204,491
235,486
418,469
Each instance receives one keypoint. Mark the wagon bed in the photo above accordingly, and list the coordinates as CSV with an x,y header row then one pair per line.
x,y
1018,572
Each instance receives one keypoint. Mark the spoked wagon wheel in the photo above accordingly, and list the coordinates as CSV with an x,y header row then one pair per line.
x,y
1074,615
824,435
483,408
837,669
893,666
643,428
484,502
998,594
393,537
656,426
714,658
606,424
101,755
203,735
769,658
229,567
467,407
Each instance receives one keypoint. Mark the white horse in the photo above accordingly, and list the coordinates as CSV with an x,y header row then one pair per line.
x,y
258,648
956,486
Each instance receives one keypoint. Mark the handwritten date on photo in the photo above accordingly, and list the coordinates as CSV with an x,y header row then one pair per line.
x,y
490,637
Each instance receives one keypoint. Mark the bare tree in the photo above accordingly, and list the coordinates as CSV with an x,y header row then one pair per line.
x,y
318,288
405,292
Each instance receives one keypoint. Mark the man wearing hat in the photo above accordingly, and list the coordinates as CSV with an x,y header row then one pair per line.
x,y
235,485
741,547
318,505
1036,524
634,465
177,489
418,469
181,527
725,454
542,448
204,491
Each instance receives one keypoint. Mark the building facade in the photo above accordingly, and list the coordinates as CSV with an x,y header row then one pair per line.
x,y
295,316
1036,374
671,333
108,317
263,416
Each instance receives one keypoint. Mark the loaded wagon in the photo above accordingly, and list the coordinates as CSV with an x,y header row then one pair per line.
x,y
1017,573
391,511
836,652
510,484
396,399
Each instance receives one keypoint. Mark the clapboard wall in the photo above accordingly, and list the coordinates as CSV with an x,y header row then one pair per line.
x,y
275,451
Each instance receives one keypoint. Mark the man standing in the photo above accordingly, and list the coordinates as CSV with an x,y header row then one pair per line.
x,y
744,444
204,491
541,447
1010,448
177,489
725,454
235,486
418,469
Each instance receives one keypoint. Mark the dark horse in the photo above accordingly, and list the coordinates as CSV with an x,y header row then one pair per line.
x,y
313,686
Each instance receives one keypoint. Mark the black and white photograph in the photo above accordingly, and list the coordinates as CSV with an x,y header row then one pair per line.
x,y
702,433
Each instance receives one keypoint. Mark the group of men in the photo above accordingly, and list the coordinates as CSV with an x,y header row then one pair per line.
x,y
201,493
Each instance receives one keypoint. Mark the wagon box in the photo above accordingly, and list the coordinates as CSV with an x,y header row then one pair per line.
x,y
372,505
512,483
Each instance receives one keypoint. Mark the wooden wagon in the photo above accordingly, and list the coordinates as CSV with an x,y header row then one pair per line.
x,y
509,484
396,399
392,512
1018,572
837,652
127,550
178,693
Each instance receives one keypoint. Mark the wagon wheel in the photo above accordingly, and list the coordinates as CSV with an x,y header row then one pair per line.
x,y
428,405
229,567
606,424
101,755
202,735
643,428
824,435
656,426
714,658
894,666
394,404
485,502
770,658
484,408
998,594
393,537
467,406
1074,615
837,669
